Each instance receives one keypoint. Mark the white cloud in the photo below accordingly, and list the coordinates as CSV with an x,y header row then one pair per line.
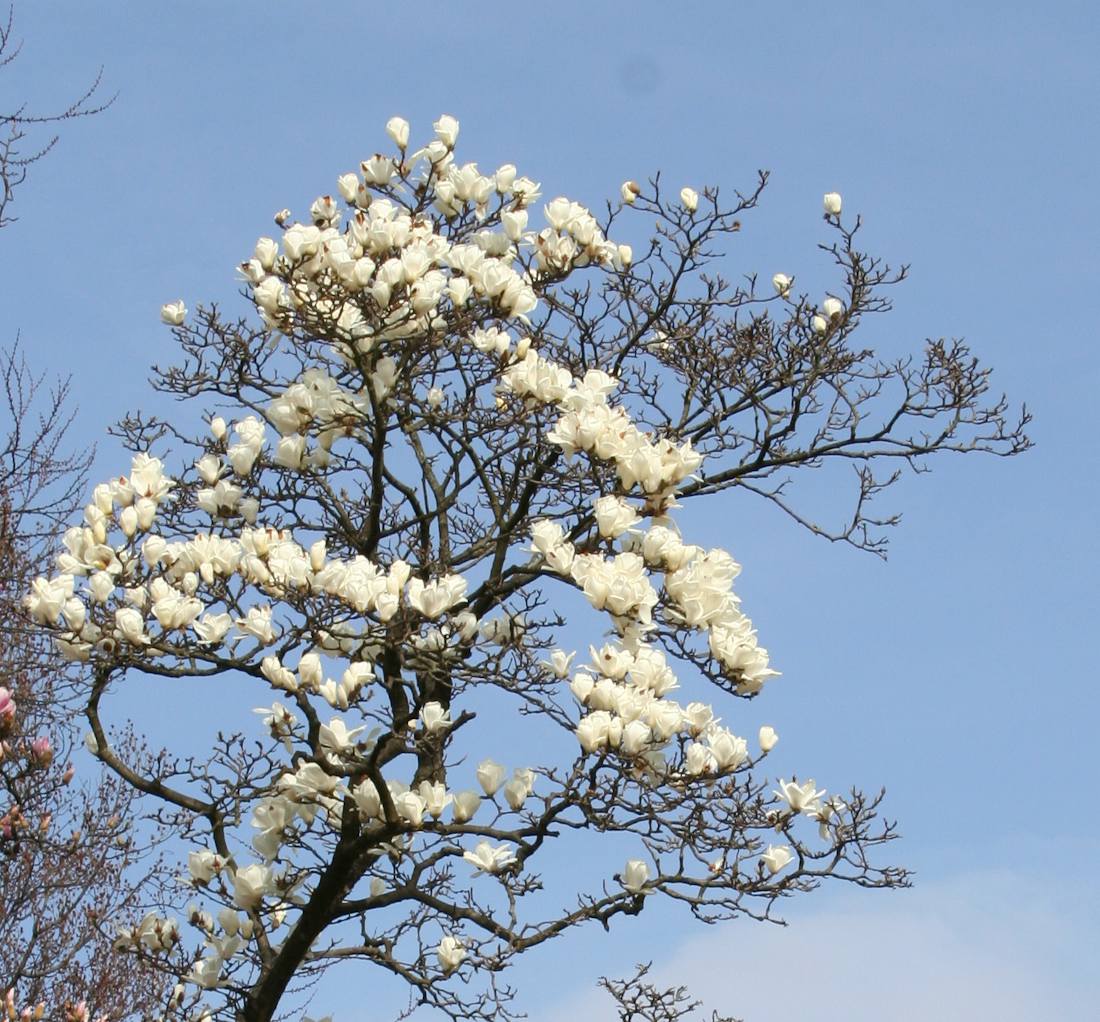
x,y
994,946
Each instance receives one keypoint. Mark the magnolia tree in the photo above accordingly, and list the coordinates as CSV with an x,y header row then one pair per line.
x,y
464,414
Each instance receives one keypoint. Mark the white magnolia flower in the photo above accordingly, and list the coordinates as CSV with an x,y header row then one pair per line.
x,y
614,516
559,663
699,716
782,284
130,625
250,884
636,738
582,686
465,804
336,737
594,731
203,865
310,671
446,130
209,467
410,807
767,738
147,479
257,623
212,627
173,610
486,858
450,953
48,596
832,203
729,750
515,793
800,797
490,775
206,972
776,858
367,800
612,661
436,598
265,253
433,718
435,797
635,875
505,177
699,760
153,549
398,129
689,198
174,313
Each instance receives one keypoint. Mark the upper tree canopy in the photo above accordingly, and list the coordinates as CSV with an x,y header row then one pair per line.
x,y
453,428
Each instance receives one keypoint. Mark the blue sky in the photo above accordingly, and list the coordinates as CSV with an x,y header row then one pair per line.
x,y
959,674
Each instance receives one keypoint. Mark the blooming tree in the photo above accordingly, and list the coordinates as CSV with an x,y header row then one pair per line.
x,y
67,849
466,414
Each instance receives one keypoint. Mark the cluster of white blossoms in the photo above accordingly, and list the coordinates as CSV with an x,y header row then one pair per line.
x,y
261,890
366,278
590,423
625,693
379,273
698,583
145,591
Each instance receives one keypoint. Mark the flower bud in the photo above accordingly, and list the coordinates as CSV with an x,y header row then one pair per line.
x,y
398,129
128,520
832,203
348,185
310,670
465,805
630,191
318,550
514,223
490,776
504,178
446,130
41,751
267,251
689,198
782,284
